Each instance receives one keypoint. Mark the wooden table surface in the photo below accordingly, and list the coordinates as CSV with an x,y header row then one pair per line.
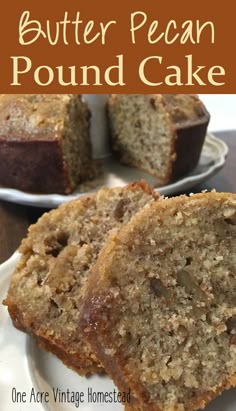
x,y
15,219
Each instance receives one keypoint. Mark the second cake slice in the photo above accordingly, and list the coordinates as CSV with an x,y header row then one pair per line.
x,y
161,311
48,286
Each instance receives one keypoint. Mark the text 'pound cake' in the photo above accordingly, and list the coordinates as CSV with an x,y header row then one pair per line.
x,y
47,288
44,142
160,134
160,313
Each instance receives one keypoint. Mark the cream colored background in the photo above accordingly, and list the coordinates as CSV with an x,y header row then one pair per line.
x,y
222,108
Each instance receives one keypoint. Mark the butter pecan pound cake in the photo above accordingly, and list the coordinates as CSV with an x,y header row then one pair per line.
x,y
160,313
44,142
47,287
161,134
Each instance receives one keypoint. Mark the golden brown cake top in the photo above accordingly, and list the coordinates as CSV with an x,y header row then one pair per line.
x,y
184,107
25,116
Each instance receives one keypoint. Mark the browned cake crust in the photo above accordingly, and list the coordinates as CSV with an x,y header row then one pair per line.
x,y
48,285
160,310
44,142
160,134
190,119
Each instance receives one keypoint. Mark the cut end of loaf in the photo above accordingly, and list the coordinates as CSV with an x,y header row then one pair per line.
x,y
142,134
160,134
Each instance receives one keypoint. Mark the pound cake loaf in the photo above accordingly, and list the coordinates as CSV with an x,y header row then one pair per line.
x,y
160,134
44,142
47,288
160,312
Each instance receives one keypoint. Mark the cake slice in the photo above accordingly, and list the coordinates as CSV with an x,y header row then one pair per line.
x,y
48,285
160,312
44,142
160,134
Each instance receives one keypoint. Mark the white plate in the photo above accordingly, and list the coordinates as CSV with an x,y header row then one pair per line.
x,y
24,367
212,159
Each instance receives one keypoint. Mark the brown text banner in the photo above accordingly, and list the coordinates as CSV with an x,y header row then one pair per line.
x,y
105,47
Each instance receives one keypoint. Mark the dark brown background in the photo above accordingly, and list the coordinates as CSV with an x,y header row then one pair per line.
x,y
119,42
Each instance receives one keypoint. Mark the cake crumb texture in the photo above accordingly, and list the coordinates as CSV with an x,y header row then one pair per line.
x,y
47,288
161,134
160,312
